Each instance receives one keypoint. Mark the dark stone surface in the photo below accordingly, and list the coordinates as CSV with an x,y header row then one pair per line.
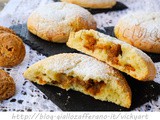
x,y
142,92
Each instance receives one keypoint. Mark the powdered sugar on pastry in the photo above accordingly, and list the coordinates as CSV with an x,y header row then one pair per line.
x,y
77,64
140,29
82,73
114,52
54,21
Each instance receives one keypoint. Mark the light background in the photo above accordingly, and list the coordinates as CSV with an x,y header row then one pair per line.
x,y
2,3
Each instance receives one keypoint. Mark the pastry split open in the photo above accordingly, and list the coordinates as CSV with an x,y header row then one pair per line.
x,y
82,73
114,52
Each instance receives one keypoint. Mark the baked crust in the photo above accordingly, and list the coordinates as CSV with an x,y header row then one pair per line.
x,y
114,52
4,30
60,19
82,73
7,86
12,50
140,29
94,4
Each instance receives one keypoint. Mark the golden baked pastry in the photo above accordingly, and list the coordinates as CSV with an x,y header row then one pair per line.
x,y
54,21
140,29
82,73
12,50
5,29
114,52
94,4
7,86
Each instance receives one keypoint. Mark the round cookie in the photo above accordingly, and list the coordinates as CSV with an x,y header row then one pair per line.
x,y
140,29
5,29
7,86
95,4
12,50
54,22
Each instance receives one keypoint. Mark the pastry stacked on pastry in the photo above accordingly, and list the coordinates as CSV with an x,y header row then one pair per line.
x,y
114,52
12,53
97,76
91,76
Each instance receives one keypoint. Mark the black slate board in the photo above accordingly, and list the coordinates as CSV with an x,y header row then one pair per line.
x,y
76,101
118,6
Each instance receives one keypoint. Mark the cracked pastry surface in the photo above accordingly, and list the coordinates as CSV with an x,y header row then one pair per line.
x,y
12,50
140,29
7,86
93,3
84,74
114,52
54,22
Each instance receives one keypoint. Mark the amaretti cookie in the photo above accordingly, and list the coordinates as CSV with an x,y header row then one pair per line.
x,y
5,29
94,4
7,85
114,52
140,29
54,21
12,50
82,73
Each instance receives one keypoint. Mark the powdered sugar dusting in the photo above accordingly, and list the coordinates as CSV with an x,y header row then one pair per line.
x,y
78,65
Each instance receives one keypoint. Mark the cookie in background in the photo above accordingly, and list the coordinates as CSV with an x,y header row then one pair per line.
x,y
84,74
54,22
140,29
6,30
94,4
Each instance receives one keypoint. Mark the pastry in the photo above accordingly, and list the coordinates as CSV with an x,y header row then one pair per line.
x,y
7,86
140,29
4,30
82,73
114,52
54,21
94,4
12,50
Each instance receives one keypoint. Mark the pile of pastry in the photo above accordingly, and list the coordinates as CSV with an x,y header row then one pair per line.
x,y
12,53
97,72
